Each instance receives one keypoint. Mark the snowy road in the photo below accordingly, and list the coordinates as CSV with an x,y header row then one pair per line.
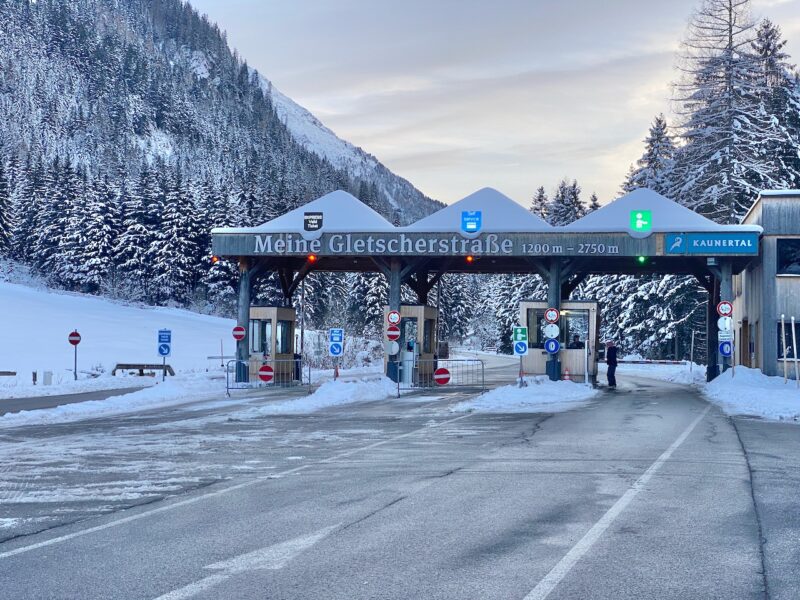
x,y
644,493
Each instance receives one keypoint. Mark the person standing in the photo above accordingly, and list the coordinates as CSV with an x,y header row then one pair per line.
x,y
611,361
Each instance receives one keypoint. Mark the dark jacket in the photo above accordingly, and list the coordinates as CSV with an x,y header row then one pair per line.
x,y
611,356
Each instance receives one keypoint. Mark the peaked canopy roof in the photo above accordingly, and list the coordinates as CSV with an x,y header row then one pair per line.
x,y
667,216
499,213
342,213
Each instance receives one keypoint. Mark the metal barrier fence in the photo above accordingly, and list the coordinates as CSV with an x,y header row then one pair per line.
x,y
441,374
281,372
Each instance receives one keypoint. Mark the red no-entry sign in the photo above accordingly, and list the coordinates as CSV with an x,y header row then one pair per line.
x,y
265,373
239,333
74,338
441,376
393,333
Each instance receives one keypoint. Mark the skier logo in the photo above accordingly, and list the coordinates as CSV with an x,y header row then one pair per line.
x,y
676,244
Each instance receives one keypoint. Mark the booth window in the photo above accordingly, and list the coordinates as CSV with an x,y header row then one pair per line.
x,y
789,256
260,335
427,336
574,321
283,338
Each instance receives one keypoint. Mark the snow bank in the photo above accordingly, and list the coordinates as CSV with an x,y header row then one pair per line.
x,y
541,395
744,391
15,387
176,390
671,373
331,393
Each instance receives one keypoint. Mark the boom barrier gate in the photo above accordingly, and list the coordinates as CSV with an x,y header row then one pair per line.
x,y
281,372
466,373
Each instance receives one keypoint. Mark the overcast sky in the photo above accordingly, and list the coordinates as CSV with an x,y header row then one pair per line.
x,y
455,95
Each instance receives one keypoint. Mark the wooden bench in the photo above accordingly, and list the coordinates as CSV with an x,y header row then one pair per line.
x,y
8,373
141,368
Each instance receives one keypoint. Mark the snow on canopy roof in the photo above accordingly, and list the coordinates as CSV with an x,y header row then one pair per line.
x,y
341,212
667,216
499,213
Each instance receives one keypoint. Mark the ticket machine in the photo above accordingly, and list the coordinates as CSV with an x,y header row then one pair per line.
x,y
272,341
579,325
417,344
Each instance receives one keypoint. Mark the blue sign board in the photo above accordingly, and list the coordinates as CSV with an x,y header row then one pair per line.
x,y
335,348
164,336
552,346
164,349
711,243
336,335
471,221
726,349
520,348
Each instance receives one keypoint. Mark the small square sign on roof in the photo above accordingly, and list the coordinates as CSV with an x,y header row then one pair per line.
x,y
471,221
641,220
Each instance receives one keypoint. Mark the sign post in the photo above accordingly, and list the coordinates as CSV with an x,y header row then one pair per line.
x,y
519,337
164,349
336,348
75,339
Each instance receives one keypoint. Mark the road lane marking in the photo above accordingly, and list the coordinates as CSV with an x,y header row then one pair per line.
x,y
219,492
270,558
570,559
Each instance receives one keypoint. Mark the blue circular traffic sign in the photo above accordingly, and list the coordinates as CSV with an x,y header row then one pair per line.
x,y
335,349
552,346
726,349
163,349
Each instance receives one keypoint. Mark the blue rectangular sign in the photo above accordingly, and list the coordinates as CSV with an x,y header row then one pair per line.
x,y
471,221
336,336
712,244
164,336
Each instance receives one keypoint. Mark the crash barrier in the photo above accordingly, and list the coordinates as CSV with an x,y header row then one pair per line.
x,y
280,372
440,374
652,362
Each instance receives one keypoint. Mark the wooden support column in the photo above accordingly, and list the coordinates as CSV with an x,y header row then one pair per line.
x,y
243,320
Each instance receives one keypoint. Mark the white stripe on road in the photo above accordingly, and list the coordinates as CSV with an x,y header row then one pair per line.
x,y
220,492
557,573
272,557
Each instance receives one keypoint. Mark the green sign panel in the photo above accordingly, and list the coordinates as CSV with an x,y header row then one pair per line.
x,y
641,220
520,334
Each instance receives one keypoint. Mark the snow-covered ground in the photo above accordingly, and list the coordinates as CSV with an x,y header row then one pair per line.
x,y
39,321
540,394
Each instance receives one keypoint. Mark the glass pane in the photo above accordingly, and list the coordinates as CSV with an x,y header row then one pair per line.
x,y
254,347
789,347
574,328
283,338
789,257
266,336
536,325
427,343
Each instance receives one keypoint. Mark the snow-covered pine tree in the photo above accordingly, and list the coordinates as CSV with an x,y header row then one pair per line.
x,y
725,124
6,213
594,203
174,249
779,94
131,251
565,206
654,169
539,203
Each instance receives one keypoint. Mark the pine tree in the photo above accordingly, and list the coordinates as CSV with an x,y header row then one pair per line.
x,y
565,206
6,214
539,203
726,126
654,169
594,203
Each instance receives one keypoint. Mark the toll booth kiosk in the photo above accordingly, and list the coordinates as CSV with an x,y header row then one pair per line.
x,y
272,341
418,343
578,318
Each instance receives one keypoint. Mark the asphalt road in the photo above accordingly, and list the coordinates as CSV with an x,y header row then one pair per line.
x,y
648,492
